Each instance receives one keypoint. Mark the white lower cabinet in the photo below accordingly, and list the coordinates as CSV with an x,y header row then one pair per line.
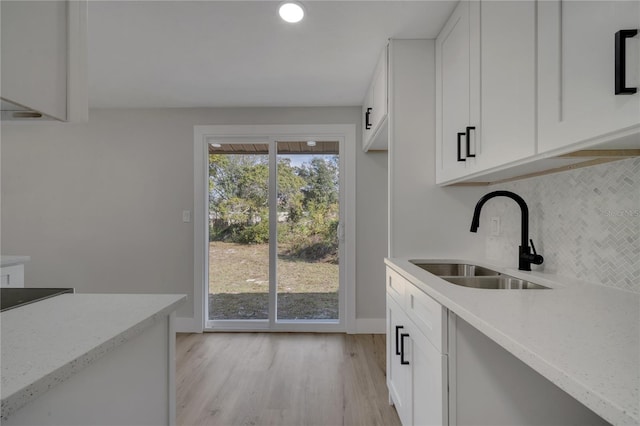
x,y
443,371
416,365
12,276
132,384
397,373
428,388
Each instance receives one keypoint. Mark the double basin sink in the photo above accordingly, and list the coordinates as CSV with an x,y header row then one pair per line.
x,y
475,276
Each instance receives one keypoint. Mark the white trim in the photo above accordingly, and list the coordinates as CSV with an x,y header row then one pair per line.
x,y
314,326
362,326
273,231
371,326
171,367
199,225
391,149
452,379
346,134
187,325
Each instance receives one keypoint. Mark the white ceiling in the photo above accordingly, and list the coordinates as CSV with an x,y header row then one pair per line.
x,y
239,53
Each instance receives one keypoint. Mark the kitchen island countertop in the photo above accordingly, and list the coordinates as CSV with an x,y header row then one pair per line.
x,y
584,338
13,260
45,343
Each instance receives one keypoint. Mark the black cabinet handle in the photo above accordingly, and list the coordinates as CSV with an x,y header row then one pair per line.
x,y
468,133
621,62
398,327
460,135
402,360
367,123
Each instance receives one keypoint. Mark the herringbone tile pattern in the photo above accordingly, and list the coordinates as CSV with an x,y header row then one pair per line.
x,y
586,223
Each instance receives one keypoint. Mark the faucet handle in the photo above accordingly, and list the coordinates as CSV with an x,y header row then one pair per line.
x,y
536,258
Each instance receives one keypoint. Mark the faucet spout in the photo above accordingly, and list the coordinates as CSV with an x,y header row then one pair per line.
x,y
524,254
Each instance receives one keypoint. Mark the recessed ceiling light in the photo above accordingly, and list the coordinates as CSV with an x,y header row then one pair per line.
x,y
311,143
291,11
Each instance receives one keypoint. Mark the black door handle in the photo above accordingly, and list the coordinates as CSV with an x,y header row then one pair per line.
x,y
402,360
460,135
468,133
621,62
398,327
367,124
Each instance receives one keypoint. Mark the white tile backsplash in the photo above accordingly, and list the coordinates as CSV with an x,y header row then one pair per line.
x,y
585,222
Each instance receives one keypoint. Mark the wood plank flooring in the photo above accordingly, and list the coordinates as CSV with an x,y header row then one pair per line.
x,y
282,379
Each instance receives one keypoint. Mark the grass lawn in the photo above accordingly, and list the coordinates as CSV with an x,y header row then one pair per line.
x,y
239,284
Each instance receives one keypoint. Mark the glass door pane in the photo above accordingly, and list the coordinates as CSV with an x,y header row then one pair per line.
x,y
308,214
238,232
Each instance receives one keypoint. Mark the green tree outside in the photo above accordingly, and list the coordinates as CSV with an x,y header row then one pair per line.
x,y
307,203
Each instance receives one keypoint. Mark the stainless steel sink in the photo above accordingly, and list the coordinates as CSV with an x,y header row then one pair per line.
x,y
474,276
455,269
502,282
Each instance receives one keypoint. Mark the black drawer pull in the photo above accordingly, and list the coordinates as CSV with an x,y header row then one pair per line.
x,y
621,62
367,123
460,135
402,360
469,129
398,327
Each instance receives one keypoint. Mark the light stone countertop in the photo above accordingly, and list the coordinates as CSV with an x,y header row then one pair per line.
x,y
584,338
46,342
13,260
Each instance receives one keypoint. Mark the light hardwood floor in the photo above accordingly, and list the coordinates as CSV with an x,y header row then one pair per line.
x,y
282,379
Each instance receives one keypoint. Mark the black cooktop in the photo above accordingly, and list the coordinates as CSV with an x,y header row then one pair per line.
x,y
14,297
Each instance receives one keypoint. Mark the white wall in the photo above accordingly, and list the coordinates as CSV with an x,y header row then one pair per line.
x,y
98,205
425,220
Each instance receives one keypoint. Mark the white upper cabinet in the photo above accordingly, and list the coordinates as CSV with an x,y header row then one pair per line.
x,y
485,87
576,73
44,59
507,52
374,108
457,90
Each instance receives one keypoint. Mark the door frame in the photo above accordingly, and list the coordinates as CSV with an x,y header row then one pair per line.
x,y
346,135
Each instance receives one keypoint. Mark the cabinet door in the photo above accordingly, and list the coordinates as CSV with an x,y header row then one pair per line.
x,y
576,72
507,83
457,90
34,55
367,119
428,381
12,276
376,137
398,375
380,91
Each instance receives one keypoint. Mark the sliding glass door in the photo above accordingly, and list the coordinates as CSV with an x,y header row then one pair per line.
x,y
238,232
274,227
308,218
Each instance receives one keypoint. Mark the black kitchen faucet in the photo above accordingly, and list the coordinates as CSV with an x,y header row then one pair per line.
x,y
525,258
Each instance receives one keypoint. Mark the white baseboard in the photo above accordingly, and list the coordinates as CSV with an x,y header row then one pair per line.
x,y
187,325
371,326
363,325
